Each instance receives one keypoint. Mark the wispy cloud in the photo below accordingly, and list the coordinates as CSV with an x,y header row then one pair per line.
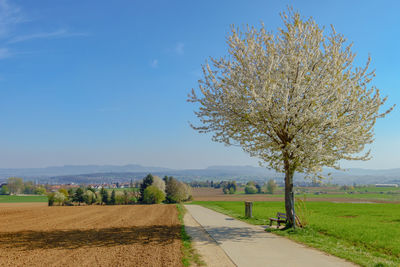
x,y
179,48
154,63
62,33
10,15
5,53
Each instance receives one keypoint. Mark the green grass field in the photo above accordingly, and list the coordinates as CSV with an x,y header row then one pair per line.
x,y
363,193
366,197
366,193
19,199
367,234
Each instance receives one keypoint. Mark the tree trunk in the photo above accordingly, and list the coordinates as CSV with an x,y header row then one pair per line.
x,y
289,201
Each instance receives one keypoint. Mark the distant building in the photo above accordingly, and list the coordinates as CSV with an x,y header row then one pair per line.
x,y
386,185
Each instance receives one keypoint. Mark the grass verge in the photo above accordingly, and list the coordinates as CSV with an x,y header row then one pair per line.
x,y
366,234
20,199
190,256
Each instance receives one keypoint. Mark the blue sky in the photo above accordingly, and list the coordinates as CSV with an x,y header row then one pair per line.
x,y
106,82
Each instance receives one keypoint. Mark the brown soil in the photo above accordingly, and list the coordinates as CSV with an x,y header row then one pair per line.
x,y
212,194
35,235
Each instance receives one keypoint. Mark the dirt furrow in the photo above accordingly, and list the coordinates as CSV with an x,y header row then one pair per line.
x,y
140,235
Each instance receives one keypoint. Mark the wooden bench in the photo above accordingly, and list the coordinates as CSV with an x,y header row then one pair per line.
x,y
280,218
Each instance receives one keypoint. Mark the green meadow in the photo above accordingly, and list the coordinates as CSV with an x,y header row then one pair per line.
x,y
367,234
18,199
361,196
363,193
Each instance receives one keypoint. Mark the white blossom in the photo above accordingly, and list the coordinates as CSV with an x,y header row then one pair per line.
x,y
293,99
159,183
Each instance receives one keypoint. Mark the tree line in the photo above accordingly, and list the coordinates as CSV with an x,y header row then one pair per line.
x,y
17,185
152,190
230,187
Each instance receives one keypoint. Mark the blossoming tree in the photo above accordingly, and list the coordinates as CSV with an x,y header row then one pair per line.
x,y
294,99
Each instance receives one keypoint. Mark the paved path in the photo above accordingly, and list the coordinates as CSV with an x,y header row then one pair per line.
x,y
249,245
212,254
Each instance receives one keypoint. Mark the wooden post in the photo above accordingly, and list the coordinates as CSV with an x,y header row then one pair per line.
x,y
248,211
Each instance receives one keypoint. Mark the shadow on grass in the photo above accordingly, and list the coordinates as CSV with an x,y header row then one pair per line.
x,y
106,237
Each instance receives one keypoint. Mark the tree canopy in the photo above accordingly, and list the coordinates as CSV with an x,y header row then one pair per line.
x,y
147,181
294,99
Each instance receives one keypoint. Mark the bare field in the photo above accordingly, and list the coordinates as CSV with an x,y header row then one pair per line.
x,y
216,194
36,235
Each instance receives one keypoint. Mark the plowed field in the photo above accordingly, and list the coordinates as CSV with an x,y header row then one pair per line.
x,y
90,236
211,194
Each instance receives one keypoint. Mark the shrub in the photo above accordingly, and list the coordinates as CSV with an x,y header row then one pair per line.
x,y
229,187
251,183
71,193
188,191
133,200
64,192
91,189
28,188
176,191
232,190
89,197
59,198
50,198
125,197
40,191
4,190
120,198
250,189
153,195
270,187
98,198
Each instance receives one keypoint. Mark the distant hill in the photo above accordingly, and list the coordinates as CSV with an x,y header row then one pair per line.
x,y
75,169
112,173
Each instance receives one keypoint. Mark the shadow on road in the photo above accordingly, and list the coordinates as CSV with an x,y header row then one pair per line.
x,y
221,234
237,233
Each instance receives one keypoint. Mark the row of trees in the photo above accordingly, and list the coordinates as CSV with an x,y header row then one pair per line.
x,y
155,190
90,196
152,190
17,185
268,188
229,187
207,183
251,187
